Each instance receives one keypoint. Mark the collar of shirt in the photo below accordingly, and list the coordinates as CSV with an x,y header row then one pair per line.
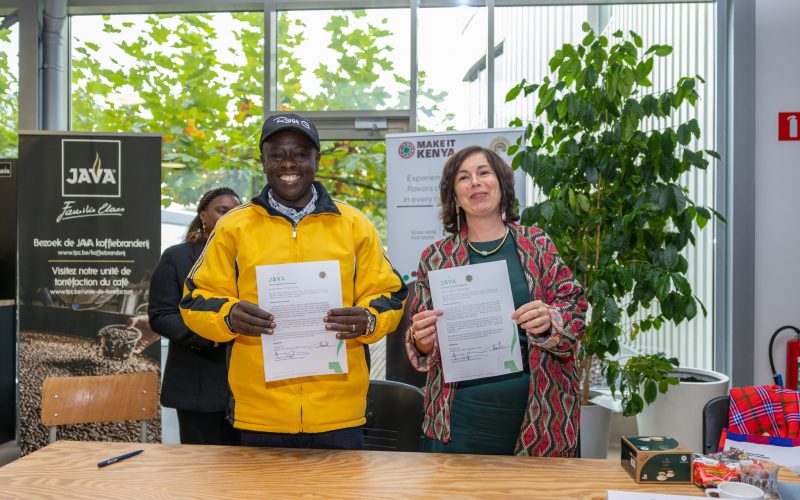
x,y
291,213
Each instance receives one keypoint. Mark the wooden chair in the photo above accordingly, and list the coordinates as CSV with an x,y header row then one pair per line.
x,y
104,398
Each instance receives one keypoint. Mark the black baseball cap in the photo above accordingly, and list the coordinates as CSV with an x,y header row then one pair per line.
x,y
288,121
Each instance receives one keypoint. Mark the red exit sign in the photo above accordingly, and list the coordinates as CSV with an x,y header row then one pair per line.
x,y
789,126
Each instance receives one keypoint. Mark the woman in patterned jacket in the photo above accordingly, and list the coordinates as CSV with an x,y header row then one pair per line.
x,y
536,411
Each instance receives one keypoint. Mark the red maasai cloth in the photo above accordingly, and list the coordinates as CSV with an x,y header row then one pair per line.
x,y
765,410
790,401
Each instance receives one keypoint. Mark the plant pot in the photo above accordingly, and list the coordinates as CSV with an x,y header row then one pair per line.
x,y
679,412
595,425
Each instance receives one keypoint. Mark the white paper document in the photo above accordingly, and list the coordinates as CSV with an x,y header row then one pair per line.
x,y
477,337
638,495
299,296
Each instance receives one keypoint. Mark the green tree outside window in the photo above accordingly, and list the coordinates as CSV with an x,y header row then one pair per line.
x,y
174,81
9,87
210,110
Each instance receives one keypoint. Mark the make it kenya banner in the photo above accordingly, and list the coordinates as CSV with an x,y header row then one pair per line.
x,y
88,240
414,163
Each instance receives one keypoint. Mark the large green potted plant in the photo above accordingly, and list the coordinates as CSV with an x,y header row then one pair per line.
x,y
608,154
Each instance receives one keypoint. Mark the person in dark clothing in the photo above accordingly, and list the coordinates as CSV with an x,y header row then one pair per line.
x,y
195,377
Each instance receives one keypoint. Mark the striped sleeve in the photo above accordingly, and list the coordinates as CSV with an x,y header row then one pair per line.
x,y
210,289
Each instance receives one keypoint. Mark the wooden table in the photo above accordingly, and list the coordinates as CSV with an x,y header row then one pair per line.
x,y
68,469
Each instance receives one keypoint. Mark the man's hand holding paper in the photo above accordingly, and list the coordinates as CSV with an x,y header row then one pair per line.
x,y
247,318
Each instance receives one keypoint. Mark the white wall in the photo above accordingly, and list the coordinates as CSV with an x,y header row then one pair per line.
x,y
777,174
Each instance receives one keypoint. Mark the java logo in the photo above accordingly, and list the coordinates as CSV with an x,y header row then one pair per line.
x,y
95,175
91,168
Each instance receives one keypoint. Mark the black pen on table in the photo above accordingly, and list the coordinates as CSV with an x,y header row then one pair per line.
x,y
119,458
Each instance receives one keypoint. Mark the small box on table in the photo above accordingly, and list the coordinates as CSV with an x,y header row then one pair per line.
x,y
656,459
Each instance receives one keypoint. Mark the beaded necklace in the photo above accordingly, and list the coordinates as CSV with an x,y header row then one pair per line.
x,y
485,253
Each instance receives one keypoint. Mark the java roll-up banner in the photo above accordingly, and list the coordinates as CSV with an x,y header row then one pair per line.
x,y
413,168
88,240
8,296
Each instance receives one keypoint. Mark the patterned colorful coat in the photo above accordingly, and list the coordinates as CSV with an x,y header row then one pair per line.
x,y
550,423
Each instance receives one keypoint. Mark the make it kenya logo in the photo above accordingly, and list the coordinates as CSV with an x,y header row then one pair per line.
x,y
406,150
91,168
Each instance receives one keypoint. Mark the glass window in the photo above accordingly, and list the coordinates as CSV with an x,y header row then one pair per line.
x,y
451,58
196,78
690,30
9,90
175,221
343,59
525,40
355,172
529,38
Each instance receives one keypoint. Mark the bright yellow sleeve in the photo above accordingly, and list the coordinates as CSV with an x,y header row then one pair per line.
x,y
210,289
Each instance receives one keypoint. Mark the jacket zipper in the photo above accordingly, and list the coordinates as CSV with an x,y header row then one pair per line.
x,y
294,246
301,407
295,255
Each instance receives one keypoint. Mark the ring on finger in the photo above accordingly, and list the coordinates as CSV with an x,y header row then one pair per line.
x,y
354,327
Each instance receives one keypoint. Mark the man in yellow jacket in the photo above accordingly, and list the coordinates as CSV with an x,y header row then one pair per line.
x,y
293,219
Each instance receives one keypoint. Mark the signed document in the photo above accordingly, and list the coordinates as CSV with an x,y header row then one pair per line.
x,y
477,337
299,296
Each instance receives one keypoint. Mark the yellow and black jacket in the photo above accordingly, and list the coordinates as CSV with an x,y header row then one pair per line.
x,y
254,235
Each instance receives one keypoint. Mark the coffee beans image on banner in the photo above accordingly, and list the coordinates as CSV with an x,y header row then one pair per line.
x,y
46,355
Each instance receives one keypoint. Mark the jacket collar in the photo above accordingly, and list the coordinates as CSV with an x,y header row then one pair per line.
x,y
325,203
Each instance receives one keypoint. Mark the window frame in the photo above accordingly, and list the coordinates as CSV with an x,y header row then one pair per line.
x,y
338,124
